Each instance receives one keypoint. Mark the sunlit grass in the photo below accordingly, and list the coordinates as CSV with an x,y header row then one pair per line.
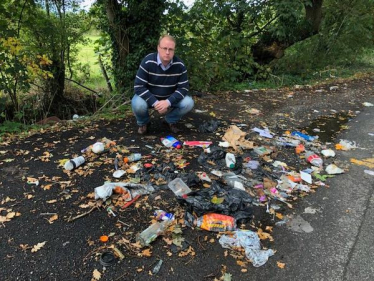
x,y
87,56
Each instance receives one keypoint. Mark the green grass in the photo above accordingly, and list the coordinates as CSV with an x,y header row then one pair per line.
x,y
87,56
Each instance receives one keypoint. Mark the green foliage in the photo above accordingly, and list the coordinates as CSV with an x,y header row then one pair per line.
x,y
9,127
346,31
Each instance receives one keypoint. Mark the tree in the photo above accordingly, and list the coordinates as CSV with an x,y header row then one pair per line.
x,y
134,27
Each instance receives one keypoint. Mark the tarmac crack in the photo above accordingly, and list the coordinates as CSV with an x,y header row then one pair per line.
x,y
350,254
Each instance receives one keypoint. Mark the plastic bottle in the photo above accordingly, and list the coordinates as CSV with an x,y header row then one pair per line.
x,y
230,160
150,234
313,158
132,157
74,163
304,136
170,141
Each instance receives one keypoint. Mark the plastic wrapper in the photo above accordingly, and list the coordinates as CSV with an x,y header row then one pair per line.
x,y
106,190
332,169
216,222
236,203
250,241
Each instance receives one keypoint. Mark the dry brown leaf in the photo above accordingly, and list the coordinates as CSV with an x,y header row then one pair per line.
x,y
281,264
279,216
24,247
264,235
169,253
146,253
53,218
244,270
47,187
96,274
4,219
51,201
11,215
241,263
167,240
38,246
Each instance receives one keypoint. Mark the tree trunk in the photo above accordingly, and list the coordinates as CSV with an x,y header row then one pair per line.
x,y
314,15
102,67
120,39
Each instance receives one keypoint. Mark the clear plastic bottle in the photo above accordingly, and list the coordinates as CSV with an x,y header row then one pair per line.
x,y
230,160
313,158
147,236
170,141
74,163
132,157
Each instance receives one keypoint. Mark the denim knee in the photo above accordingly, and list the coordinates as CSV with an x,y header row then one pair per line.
x,y
138,105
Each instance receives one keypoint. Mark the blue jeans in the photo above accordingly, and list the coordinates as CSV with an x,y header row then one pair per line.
x,y
174,114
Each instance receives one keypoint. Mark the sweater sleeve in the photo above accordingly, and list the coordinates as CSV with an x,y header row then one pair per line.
x,y
182,87
141,83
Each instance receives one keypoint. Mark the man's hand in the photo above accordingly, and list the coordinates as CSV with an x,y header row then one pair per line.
x,y
162,106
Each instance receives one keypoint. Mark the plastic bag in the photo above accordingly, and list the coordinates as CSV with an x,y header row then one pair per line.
x,y
332,169
250,241
209,126
106,190
236,203
346,145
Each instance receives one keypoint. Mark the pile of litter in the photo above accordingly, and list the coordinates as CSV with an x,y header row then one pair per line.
x,y
243,171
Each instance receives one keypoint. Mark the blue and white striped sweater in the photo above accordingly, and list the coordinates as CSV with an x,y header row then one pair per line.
x,y
152,83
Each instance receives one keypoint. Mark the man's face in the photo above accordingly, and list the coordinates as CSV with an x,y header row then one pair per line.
x,y
166,50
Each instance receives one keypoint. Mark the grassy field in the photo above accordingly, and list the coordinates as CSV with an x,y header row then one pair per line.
x,y
87,57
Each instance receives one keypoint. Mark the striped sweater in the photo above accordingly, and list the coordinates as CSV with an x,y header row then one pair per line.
x,y
153,84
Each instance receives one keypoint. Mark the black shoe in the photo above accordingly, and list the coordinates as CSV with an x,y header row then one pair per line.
x,y
172,127
142,130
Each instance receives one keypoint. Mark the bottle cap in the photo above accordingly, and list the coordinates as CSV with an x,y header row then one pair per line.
x,y
178,146
232,166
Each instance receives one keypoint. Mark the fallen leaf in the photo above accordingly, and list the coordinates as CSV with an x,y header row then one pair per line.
x,y
38,246
146,253
51,201
281,264
47,187
264,235
11,215
279,216
96,274
241,263
53,218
